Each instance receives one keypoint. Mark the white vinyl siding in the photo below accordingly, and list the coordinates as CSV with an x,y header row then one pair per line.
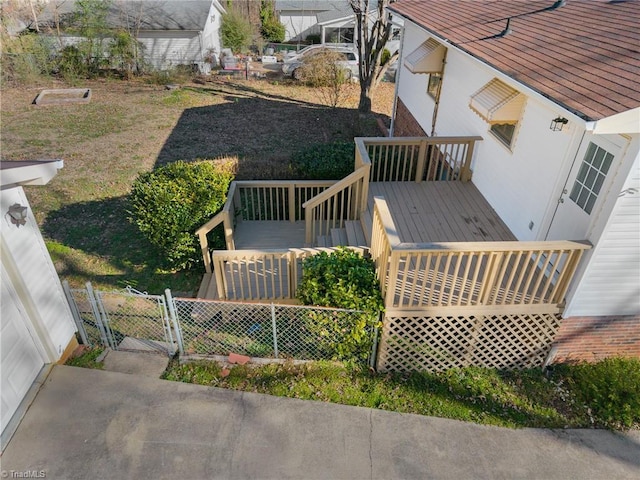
x,y
610,284
35,278
523,184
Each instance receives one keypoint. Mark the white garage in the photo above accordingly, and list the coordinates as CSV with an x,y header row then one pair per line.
x,y
36,325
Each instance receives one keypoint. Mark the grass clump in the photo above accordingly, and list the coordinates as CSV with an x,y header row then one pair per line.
x,y
508,399
87,359
569,396
609,390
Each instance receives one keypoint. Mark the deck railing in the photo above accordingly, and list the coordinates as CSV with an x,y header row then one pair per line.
x,y
339,203
473,275
259,275
278,200
327,204
418,159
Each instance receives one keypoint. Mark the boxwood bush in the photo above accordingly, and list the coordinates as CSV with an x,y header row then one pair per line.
x,y
342,279
327,161
168,204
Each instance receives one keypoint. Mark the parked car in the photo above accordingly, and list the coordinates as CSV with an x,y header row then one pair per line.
x,y
350,63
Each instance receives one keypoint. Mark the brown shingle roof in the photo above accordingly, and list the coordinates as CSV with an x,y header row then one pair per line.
x,y
584,55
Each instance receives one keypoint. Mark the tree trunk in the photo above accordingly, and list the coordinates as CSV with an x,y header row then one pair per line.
x,y
364,106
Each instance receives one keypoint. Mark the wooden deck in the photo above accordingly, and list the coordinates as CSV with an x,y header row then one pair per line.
x,y
261,234
423,212
429,212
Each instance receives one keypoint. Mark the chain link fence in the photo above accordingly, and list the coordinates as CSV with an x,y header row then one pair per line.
x,y
131,320
270,330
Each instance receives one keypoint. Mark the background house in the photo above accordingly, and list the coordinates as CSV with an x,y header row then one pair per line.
x,y
173,32
552,89
332,21
36,324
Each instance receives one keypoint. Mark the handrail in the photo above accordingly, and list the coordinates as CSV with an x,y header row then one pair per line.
x,y
333,189
342,201
224,217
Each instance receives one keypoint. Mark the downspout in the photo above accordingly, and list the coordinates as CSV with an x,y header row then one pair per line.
x,y
434,119
398,70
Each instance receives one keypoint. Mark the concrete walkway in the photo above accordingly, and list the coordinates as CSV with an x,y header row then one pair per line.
x,y
95,424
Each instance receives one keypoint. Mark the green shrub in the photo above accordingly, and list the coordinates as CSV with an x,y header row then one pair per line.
x,y
329,161
610,388
26,58
313,39
271,28
170,203
235,31
342,279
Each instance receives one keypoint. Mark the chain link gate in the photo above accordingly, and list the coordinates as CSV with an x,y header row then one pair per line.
x,y
124,320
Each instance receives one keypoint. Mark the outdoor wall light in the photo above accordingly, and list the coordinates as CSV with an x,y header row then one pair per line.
x,y
557,124
17,214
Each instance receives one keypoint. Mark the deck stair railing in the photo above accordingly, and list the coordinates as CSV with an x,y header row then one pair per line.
x,y
327,204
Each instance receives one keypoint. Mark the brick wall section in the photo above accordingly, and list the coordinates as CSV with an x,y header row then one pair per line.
x,y
405,124
595,338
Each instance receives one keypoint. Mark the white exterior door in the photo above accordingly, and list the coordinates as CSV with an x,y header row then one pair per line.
x,y
21,360
586,189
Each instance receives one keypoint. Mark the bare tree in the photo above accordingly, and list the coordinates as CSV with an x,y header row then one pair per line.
x,y
373,30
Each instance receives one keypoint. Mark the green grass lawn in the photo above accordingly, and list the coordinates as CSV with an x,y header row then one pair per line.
x,y
527,398
133,127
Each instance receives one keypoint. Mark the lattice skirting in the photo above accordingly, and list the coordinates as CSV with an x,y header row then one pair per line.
x,y
437,343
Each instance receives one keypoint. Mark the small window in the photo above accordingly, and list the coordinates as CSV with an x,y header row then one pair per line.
x,y
504,132
590,178
435,79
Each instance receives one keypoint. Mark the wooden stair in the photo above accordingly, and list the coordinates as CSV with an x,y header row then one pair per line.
x,y
351,235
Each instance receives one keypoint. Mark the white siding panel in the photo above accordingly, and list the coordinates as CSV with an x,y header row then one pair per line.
x,y
610,283
167,49
299,25
37,283
521,184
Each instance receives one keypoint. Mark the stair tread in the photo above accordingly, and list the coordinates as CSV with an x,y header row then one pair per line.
x,y
338,237
366,222
355,234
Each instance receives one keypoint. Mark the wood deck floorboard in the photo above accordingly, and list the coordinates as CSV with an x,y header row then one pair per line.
x,y
429,212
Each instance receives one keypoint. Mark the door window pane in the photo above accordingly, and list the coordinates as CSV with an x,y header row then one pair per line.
x,y
590,178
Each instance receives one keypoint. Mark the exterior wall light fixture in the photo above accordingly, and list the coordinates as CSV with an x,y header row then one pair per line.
x,y
557,123
17,214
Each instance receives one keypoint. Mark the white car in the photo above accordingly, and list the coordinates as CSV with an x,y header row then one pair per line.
x,y
350,63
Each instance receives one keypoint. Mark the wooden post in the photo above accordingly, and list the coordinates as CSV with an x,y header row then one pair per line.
x,y
422,160
206,256
465,172
220,279
292,202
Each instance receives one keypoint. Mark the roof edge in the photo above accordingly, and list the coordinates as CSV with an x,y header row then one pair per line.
x,y
28,172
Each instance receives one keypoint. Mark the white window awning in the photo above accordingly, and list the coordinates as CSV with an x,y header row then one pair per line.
x,y
427,58
498,103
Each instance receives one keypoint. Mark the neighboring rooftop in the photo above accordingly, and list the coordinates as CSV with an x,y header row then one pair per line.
x,y
187,15
583,54
310,5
